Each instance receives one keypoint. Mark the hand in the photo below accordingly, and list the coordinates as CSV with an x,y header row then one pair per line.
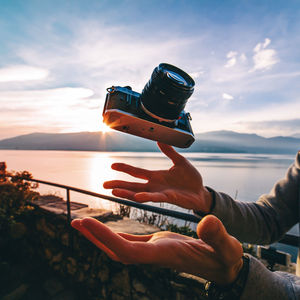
x,y
181,185
215,256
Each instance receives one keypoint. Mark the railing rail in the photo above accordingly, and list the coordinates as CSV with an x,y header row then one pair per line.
x,y
288,239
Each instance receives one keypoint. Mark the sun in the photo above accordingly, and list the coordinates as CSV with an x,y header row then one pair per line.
x,y
104,128
92,123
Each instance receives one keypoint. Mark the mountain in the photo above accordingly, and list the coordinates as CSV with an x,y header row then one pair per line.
x,y
229,141
296,135
215,141
83,141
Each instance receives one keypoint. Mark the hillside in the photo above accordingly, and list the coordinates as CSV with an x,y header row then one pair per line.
x,y
216,141
229,141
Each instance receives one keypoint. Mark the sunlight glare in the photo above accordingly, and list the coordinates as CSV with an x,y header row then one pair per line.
x,y
92,124
104,128
100,171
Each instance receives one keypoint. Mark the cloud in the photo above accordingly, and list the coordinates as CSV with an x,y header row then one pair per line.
x,y
98,53
243,57
231,59
269,120
108,55
93,59
277,127
50,110
261,46
22,73
227,96
264,59
65,94
196,74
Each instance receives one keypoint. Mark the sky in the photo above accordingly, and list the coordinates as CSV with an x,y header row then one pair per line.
x,y
58,57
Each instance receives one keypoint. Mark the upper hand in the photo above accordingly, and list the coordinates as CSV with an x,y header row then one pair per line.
x,y
181,185
216,256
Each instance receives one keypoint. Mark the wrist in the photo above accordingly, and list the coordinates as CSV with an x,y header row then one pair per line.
x,y
211,199
207,201
232,291
234,273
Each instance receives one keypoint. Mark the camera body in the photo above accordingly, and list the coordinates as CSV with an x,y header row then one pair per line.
x,y
158,112
124,111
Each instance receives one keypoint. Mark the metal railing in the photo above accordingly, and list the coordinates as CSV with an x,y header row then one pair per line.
x,y
288,239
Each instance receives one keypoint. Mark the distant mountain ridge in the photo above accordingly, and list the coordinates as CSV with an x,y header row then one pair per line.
x,y
230,141
214,141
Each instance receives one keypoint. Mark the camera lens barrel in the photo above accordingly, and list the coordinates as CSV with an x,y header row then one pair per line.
x,y
166,93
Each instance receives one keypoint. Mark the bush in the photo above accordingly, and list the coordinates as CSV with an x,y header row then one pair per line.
x,y
15,192
185,230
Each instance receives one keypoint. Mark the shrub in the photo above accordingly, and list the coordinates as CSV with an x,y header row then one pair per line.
x,y
15,192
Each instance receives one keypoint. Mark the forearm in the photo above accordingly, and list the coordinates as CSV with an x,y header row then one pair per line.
x,y
248,222
266,220
263,284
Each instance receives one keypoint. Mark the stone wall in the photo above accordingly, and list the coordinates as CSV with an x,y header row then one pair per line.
x,y
46,236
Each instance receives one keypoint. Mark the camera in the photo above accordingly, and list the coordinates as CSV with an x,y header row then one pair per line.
x,y
158,112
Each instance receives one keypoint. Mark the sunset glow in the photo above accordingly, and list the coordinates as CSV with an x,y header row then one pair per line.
x,y
243,57
104,128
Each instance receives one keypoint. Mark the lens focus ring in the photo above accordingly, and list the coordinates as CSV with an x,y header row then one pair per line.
x,y
166,93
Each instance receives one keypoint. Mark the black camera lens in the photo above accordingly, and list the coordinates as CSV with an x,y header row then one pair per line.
x,y
166,93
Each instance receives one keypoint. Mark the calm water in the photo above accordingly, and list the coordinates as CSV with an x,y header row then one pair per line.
x,y
243,176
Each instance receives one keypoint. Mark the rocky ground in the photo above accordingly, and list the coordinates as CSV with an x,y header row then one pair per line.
x,y
24,279
28,280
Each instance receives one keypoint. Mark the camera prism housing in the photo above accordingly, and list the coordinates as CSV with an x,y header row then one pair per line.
x,y
124,111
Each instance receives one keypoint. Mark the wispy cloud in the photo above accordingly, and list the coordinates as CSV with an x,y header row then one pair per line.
x,y
263,58
22,73
44,97
50,109
60,65
285,127
231,59
227,96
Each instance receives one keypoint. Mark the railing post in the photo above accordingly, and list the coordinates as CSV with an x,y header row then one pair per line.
x,y
68,207
69,218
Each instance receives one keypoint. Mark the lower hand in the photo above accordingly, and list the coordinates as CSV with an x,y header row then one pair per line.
x,y
215,256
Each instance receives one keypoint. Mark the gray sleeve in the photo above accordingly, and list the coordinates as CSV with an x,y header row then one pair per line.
x,y
263,284
267,220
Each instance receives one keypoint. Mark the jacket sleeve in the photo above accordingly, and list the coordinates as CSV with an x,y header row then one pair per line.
x,y
263,284
264,222
267,220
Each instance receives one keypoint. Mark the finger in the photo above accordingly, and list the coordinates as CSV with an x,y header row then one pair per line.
x,y
127,251
153,197
77,225
123,194
133,186
211,230
171,153
131,170
136,238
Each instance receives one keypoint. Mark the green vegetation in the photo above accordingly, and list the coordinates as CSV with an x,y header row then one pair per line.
x,y
185,230
15,192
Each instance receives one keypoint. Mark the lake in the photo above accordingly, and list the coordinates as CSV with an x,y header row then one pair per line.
x,y
243,176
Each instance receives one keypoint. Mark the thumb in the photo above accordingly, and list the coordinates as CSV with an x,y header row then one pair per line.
x,y
211,230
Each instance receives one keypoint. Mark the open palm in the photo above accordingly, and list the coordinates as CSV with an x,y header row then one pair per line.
x,y
181,185
215,256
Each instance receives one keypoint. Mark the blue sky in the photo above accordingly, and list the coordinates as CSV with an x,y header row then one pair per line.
x,y
58,58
